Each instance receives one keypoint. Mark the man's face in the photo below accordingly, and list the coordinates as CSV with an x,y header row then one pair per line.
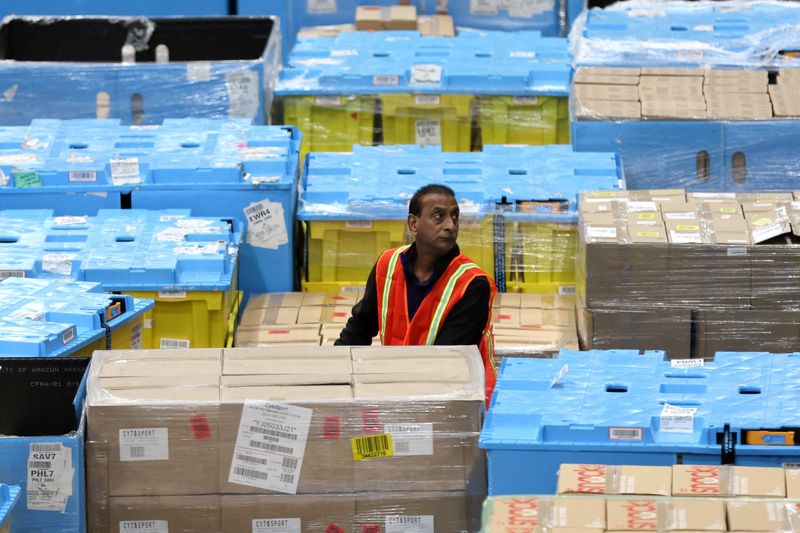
x,y
436,228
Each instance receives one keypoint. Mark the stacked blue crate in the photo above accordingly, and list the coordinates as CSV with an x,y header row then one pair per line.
x,y
9,494
71,67
619,407
214,167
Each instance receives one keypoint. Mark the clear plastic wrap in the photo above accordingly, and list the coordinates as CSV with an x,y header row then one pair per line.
x,y
690,273
398,87
518,209
697,129
739,33
137,69
229,431
595,514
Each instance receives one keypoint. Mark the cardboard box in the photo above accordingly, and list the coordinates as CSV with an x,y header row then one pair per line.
x,y
436,26
307,334
612,479
675,514
275,299
270,316
586,109
543,513
608,76
671,71
336,314
772,330
622,93
771,515
714,480
331,30
708,276
194,514
375,18
792,483
298,512
422,511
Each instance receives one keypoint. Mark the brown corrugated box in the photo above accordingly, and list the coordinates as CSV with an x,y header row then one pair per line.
x,y
543,513
260,512
623,93
792,483
749,515
436,26
714,480
676,514
269,316
674,109
608,76
306,334
318,314
374,18
275,299
671,71
165,513
600,109
611,479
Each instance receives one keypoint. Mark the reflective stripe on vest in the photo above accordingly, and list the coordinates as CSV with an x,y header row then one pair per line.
x,y
387,285
445,300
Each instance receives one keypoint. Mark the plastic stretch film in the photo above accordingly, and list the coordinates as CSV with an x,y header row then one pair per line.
x,y
518,208
311,435
734,33
137,69
690,273
398,87
720,129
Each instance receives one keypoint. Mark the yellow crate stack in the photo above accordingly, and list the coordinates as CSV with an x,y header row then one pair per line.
x,y
540,257
523,119
427,119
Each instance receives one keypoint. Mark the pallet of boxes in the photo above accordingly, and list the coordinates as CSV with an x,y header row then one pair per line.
x,y
328,439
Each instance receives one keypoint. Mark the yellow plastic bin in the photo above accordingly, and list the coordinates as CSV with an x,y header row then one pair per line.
x,y
233,320
563,126
476,240
540,257
423,119
345,251
523,119
330,123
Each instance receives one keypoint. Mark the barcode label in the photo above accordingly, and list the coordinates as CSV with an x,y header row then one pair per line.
x,y
172,294
791,466
676,419
5,274
358,224
278,461
401,447
40,464
170,344
270,447
372,447
144,526
274,433
427,99
687,363
278,525
411,439
529,55
144,444
566,290
328,100
36,447
136,336
83,176
426,74
125,170
254,474
68,335
389,79
625,433
409,524
250,459
524,100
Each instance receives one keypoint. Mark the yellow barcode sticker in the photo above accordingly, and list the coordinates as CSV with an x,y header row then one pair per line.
x,y
687,228
603,194
372,447
648,234
727,210
762,221
647,216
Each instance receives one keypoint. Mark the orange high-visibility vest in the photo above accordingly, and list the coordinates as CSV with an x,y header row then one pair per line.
x,y
397,330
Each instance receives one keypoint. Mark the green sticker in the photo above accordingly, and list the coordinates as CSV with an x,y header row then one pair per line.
x,y
26,178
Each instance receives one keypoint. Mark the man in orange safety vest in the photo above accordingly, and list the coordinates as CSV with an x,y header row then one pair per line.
x,y
428,292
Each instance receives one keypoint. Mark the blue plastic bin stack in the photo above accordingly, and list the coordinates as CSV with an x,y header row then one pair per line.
x,y
73,67
219,168
621,407
187,264
9,494
518,205
51,318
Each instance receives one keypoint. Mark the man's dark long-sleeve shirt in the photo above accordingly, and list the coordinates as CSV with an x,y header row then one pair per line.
x,y
463,325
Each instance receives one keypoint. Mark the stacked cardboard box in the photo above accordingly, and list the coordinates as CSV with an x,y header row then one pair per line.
x,y
427,25
533,325
376,18
692,273
309,438
601,498
683,94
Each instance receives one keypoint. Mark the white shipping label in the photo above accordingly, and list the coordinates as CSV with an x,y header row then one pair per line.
x,y
687,363
136,336
243,93
409,524
126,167
83,176
144,444
270,446
677,419
597,232
767,232
321,6
144,526
567,290
625,433
426,74
686,215
172,294
50,474
328,100
641,206
559,375
60,264
358,224
69,221
174,344
714,195
172,234
385,79
193,223
428,132
680,237
528,8
483,7
276,525
198,71
524,100
411,439
427,99
31,315
266,227
523,53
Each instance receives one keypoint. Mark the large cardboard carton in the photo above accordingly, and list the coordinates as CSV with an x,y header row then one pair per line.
x,y
543,513
714,480
766,515
303,334
793,483
731,330
612,479
675,514
301,513
190,514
